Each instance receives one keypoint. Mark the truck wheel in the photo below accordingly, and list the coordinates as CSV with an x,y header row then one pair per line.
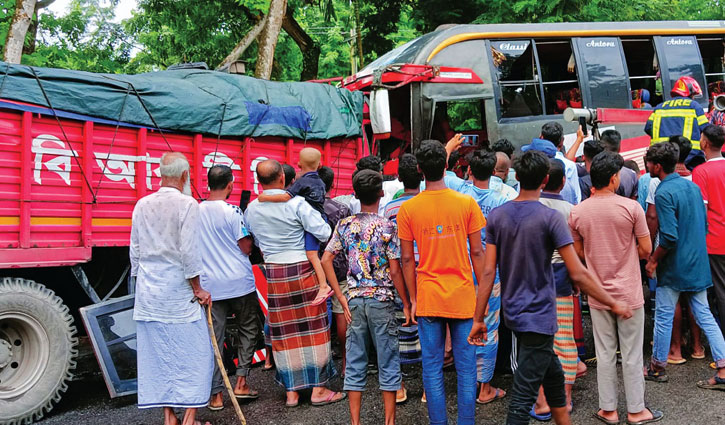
x,y
37,350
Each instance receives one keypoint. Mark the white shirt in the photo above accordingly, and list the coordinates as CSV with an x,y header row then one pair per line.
x,y
164,256
390,188
227,271
279,227
508,192
571,191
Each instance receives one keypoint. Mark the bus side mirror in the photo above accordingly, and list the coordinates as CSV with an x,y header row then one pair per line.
x,y
380,113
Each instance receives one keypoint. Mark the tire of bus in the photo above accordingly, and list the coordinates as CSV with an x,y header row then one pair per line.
x,y
37,350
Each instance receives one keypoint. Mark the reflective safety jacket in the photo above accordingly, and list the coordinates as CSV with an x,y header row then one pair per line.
x,y
679,116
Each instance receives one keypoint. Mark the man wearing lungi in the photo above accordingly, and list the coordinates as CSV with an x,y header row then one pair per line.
x,y
174,352
299,331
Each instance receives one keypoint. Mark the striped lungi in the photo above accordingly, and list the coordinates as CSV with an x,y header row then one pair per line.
x,y
564,344
298,332
486,354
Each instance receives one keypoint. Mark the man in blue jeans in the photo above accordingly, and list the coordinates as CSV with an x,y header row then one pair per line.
x,y
680,262
440,221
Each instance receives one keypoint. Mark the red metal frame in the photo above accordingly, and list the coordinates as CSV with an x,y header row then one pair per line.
x,y
400,75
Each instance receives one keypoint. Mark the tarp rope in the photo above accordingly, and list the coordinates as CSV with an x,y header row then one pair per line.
x,y
115,132
57,119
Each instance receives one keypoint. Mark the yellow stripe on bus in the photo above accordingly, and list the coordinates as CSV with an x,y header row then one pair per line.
x,y
65,221
571,33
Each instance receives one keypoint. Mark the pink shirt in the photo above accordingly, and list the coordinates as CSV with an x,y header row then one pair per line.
x,y
609,226
710,176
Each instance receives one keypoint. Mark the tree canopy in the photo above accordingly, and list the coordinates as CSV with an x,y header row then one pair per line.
x,y
319,38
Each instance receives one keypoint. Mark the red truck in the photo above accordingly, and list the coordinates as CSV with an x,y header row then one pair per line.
x,y
70,177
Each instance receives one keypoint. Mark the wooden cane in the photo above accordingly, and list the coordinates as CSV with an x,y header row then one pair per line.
x,y
222,369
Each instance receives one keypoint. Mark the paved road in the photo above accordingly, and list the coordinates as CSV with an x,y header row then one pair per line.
x,y
87,402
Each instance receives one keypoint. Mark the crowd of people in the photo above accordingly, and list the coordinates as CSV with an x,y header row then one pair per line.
x,y
458,259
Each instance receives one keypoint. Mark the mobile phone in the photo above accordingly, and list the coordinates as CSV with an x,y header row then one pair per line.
x,y
583,124
470,140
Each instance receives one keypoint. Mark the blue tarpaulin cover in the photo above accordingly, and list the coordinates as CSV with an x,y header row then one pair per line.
x,y
195,101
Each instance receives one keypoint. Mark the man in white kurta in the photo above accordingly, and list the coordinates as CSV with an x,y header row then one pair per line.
x,y
174,352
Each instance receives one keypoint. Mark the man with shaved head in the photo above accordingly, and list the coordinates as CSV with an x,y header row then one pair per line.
x,y
299,330
175,361
500,173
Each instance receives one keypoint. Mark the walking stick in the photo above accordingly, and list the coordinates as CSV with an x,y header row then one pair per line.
x,y
222,369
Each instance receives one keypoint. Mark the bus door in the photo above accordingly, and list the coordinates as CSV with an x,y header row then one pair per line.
x,y
680,56
603,70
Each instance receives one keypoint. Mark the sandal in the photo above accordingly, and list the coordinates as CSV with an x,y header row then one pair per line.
x,y
676,361
651,375
544,417
330,399
499,394
251,395
656,417
605,420
718,385
402,399
698,356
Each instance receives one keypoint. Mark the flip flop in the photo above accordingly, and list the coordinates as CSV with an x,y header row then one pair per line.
x,y
698,356
252,395
656,417
546,417
321,299
402,399
718,385
605,420
215,408
676,361
292,405
330,399
499,394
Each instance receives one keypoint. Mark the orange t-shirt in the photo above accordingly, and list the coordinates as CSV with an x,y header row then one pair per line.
x,y
439,221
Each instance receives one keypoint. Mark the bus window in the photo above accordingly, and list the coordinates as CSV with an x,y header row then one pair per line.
x,y
713,57
518,79
604,70
465,116
558,75
643,67
679,56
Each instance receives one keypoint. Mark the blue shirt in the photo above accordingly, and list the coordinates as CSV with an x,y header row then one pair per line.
x,y
682,230
571,191
643,189
487,199
279,227
526,233
311,187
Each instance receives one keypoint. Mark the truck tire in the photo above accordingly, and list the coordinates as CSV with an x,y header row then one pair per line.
x,y
37,350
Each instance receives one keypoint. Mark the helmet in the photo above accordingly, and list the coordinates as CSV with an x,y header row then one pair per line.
x,y
686,87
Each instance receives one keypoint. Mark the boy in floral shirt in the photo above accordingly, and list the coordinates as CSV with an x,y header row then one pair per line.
x,y
370,243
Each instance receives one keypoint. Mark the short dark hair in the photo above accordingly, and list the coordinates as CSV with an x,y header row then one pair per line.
x,y
611,140
482,163
289,174
684,145
556,175
327,176
367,185
531,167
604,166
592,148
408,171
553,132
664,154
271,174
219,176
370,162
453,160
632,165
431,157
503,145
715,135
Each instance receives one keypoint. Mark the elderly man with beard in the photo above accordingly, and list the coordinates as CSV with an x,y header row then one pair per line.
x,y
175,360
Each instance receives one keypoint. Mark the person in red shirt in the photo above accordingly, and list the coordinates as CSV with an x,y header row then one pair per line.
x,y
710,177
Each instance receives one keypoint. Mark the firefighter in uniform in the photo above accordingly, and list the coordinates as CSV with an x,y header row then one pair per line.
x,y
680,116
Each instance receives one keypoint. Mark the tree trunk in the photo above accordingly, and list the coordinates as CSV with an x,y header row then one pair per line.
x,y
244,43
358,33
310,49
268,38
24,10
